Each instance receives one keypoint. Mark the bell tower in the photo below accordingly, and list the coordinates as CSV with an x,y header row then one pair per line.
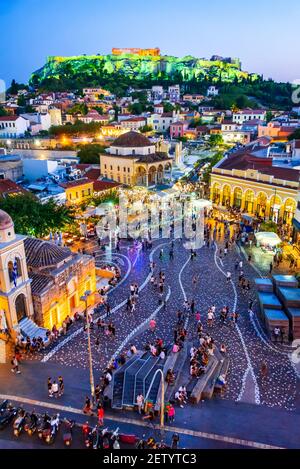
x,y
15,291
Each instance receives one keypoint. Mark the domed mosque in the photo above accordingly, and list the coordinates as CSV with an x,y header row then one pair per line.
x,y
40,283
132,159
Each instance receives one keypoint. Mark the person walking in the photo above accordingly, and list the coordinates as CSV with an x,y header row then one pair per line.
x,y
55,389
264,370
140,402
15,365
228,276
87,406
100,415
171,413
152,325
128,304
49,386
61,386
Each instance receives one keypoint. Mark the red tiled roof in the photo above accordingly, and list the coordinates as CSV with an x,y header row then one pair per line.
x,y
9,118
10,187
92,173
297,144
83,166
132,139
135,119
78,182
105,185
263,165
41,253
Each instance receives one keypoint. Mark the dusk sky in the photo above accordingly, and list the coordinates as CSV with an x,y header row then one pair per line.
x,y
264,34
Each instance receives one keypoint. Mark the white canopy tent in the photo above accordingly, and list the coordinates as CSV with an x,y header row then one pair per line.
x,y
267,238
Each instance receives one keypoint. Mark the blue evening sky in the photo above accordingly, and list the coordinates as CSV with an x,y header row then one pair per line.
x,y
265,34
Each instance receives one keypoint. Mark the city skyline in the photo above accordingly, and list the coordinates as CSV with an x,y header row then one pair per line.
x,y
93,27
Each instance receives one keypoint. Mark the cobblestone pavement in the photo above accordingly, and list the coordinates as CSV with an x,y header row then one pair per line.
x,y
246,342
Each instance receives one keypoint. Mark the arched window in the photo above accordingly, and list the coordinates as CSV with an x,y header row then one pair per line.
x,y
14,269
237,200
249,201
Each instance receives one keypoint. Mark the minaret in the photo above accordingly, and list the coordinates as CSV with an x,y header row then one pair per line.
x,y
178,153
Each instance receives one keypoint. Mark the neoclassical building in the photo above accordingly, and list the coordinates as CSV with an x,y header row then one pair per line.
x,y
133,160
40,283
255,186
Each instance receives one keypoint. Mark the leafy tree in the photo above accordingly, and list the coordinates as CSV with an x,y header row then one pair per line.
x,y
3,112
99,109
15,87
269,226
195,122
269,116
215,140
34,218
79,108
295,135
79,128
146,128
90,153
136,108
168,107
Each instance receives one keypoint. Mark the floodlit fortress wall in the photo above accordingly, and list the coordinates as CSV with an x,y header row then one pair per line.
x,y
136,51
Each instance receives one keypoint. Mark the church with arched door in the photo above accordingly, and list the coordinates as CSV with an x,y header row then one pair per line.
x,y
15,290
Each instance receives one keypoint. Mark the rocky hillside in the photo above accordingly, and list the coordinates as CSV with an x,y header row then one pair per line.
x,y
135,67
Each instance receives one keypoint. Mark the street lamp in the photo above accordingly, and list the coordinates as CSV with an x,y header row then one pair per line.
x,y
85,299
162,405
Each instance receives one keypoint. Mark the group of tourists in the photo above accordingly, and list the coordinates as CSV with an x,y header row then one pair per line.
x,y
55,387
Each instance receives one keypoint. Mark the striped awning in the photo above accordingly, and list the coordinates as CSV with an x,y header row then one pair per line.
x,y
296,224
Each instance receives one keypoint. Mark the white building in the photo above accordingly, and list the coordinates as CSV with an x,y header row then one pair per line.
x,y
212,91
133,123
248,114
174,93
13,126
162,122
38,122
55,116
157,93
158,108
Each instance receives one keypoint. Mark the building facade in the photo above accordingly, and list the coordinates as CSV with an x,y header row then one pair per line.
x,y
254,186
133,160
13,126
58,278
77,192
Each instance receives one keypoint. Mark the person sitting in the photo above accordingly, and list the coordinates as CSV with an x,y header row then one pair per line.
x,y
179,399
55,331
183,391
170,377
175,348
223,349
193,371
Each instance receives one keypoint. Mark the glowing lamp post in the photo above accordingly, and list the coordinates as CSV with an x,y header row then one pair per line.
x,y
162,404
92,384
